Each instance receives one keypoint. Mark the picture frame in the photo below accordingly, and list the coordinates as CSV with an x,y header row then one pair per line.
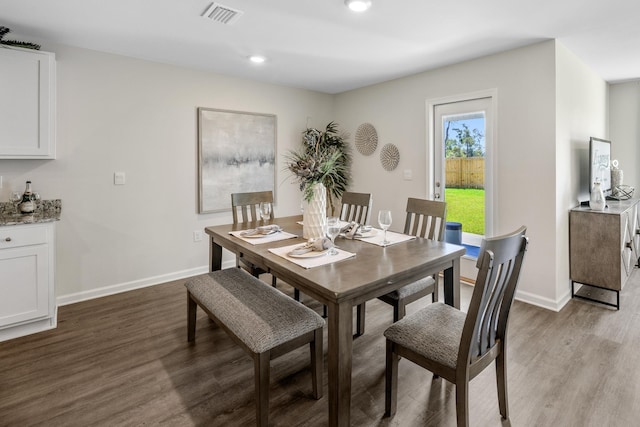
x,y
236,154
600,164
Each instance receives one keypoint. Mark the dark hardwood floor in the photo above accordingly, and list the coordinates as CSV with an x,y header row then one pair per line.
x,y
124,360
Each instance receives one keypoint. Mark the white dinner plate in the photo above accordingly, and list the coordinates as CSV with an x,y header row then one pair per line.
x,y
310,254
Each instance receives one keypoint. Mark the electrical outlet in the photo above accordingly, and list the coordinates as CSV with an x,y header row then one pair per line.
x,y
197,236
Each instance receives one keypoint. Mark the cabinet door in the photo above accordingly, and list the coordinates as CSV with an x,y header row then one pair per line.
x,y
27,109
24,284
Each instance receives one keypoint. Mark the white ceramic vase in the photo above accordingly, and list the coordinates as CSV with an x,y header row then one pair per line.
x,y
314,217
597,201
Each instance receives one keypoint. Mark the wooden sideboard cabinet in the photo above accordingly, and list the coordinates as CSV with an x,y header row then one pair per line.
x,y
603,246
27,107
27,299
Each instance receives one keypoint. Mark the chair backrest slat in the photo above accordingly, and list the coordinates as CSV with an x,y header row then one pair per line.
x,y
499,264
425,218
248,204
356,207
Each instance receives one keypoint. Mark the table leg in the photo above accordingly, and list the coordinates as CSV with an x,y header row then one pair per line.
x,y
452,284
340,351
215,254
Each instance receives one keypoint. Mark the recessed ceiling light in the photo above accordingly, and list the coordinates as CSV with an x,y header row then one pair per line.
x,y
257,59
358,5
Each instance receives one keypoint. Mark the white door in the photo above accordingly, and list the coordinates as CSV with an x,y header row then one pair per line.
x,y
468,123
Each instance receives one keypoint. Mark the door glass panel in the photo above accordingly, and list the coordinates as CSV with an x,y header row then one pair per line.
x,y
464,143
462,135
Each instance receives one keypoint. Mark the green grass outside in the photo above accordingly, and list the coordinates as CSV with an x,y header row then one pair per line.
x,y
466,206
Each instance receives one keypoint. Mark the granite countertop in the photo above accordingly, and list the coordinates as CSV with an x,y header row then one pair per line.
x,y
46,211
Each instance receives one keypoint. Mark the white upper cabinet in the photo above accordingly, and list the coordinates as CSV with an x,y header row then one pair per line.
x,y
27,104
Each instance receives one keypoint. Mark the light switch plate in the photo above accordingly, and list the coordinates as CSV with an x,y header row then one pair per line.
x,y
119,178
408,174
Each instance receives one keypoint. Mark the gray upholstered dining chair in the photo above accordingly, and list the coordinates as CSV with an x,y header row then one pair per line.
x,y
247,204
455,346
427,219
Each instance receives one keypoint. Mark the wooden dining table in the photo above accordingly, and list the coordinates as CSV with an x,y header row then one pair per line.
x,y
372,272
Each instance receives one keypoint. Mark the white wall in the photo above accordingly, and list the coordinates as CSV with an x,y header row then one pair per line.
x,y
526,150
121,114
624,122
581,112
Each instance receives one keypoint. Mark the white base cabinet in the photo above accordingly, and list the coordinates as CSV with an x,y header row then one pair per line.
x,y
27,295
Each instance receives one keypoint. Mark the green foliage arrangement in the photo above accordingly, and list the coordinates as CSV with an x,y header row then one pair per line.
x,y
325,157
4,31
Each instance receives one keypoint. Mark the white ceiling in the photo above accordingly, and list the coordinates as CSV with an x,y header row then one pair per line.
x,y
323,46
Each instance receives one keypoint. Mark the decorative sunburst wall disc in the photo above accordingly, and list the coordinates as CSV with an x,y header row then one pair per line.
x,y
389,157
366,139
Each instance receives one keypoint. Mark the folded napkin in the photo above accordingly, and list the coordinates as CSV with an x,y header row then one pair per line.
x,y
353,230
318,245
264,230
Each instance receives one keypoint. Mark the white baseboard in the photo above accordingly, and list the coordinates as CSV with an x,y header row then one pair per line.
x,y
467,268
136,284
543,302
29,327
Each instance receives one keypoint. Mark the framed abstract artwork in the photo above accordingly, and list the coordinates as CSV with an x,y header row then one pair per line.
x,y
236,154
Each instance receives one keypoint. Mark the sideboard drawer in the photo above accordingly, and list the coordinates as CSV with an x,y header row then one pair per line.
x,y
13,237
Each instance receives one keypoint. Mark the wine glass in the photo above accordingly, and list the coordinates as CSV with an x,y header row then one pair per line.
x,y
15,197
384,219
265,211
333,229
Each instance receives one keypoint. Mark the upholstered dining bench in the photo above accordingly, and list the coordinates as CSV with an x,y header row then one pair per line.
x,y
259,318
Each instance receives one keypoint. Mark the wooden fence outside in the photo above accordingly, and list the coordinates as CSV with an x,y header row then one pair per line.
x,y
465,172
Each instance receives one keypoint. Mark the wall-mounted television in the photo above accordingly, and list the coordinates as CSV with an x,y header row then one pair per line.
x,y
600,164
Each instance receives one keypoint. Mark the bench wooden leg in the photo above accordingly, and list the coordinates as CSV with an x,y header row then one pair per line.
x,y
191,318
316,363
261,363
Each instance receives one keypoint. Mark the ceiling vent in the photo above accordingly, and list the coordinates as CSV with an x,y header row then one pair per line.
x,y
223,14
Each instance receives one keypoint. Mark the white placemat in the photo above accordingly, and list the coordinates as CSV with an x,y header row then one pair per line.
x,y
266,238
313,261
392,237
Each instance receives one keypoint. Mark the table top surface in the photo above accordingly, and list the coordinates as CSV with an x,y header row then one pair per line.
x,y
374,271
